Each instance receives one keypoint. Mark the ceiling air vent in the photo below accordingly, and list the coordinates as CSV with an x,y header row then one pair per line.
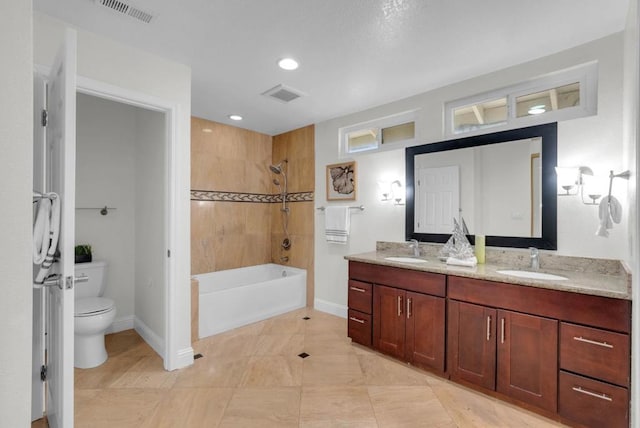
x,y
283,93
124,8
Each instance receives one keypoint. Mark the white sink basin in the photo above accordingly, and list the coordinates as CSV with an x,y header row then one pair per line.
x,y
405,259
532,275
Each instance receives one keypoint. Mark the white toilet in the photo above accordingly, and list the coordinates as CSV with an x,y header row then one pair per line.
x,y
93,315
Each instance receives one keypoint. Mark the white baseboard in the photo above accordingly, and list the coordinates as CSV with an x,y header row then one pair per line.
x,y
185,358
121,324
149,336
330,308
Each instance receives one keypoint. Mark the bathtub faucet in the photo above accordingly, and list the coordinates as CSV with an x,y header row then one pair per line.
x,y
284,259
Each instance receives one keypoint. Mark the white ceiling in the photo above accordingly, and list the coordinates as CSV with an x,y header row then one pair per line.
x,y
353,54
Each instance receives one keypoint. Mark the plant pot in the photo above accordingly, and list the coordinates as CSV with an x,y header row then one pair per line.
x,y
83,258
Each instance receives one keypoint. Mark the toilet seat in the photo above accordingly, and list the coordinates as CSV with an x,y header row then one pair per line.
x,y
91,306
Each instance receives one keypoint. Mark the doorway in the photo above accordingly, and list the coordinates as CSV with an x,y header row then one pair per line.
x,y
121,208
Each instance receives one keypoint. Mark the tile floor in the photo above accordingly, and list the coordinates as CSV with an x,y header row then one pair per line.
x,y
253,377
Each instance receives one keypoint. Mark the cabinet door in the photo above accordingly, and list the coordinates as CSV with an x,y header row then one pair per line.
x,y
388,320
528,359
472,343
425,330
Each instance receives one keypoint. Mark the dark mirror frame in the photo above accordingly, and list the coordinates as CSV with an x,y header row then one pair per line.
x,y
549,135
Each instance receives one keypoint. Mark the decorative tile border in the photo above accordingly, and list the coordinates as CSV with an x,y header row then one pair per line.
x,y
217,196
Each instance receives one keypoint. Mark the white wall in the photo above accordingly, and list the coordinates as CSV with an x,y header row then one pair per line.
x,y
150,208
105,172
594,141
16,168
130,69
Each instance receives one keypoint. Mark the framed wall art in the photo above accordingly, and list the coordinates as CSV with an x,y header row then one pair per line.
x,y
341,181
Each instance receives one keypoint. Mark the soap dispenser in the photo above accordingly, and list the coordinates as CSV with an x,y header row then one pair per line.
x,y
479,248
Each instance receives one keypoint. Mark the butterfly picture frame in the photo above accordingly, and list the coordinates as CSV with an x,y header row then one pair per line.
x,y
341,181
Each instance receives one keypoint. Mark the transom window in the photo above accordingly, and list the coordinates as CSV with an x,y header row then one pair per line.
x,y
563,95
378,133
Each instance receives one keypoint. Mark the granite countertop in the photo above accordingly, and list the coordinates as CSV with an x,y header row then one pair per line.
x,y
598,277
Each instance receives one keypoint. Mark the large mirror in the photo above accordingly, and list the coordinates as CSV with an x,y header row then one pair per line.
x,y
501,185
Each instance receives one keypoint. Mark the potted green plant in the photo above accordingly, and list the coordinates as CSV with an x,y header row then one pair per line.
x,y
83,253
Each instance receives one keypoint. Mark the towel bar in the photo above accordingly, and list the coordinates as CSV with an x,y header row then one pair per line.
x,y
361,208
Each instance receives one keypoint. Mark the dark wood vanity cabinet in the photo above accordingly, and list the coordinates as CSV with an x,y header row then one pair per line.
x,y
509,352
472,343
565,353
408,313
409,326
359,317
594,376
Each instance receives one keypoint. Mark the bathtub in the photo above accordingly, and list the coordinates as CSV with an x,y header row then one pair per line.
x,y
236,297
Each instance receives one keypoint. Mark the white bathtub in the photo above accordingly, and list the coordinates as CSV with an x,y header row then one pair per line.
x,y
236,297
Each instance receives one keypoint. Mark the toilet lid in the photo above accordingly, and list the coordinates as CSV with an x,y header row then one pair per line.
x,y
92,306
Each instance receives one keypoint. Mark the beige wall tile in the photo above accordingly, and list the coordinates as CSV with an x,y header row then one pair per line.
x,y
226,235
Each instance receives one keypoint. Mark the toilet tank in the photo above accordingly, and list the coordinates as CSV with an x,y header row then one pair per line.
x,y
97,273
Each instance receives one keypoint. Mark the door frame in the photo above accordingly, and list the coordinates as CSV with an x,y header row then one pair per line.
x,y
173,356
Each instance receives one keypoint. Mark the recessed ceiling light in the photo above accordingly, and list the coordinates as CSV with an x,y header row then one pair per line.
x,y
207,130
288,64
539,109
235,117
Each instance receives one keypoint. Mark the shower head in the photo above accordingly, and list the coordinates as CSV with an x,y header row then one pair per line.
x,y
276,169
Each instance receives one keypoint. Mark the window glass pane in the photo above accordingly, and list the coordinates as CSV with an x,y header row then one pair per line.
x,y
548,100
403,132
480,115
361,140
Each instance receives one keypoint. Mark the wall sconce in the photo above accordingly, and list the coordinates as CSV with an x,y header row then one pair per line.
x,y
391,192
586,183
594,187
570,178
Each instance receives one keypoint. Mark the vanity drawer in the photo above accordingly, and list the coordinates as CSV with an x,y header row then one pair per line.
x,y
360,296
595,353
359,327
592,403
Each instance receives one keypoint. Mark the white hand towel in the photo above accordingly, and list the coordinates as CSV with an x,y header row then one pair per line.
x,y
609,212
47,226
336,224
470,262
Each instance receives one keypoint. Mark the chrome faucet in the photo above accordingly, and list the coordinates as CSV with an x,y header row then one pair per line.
x,y
535,258
416,247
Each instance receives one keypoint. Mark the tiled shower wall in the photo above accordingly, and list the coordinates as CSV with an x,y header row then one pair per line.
x,y
298,148
235,208
227,235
